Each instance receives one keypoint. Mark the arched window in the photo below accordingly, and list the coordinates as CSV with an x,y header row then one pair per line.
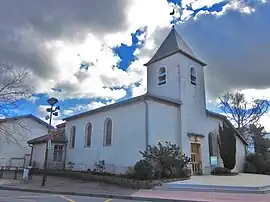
x,y
210,144
88,135
72,137
193,76
162,76
107,138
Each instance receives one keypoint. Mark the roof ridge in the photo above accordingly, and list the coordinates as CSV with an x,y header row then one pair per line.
x,y
173,43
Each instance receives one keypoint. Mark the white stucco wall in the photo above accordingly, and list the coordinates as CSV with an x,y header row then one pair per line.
x,y
171,88
163,123
38,155
22,130
128,138
240,156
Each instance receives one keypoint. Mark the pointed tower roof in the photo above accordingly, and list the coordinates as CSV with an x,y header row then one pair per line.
x,y
172,44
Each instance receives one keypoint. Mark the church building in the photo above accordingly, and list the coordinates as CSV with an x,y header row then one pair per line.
x,y
173,109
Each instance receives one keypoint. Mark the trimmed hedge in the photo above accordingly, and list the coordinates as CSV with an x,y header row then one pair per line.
x,y
119,180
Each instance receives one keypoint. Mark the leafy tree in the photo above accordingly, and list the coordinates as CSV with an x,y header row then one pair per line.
x,y
14,87
241,111
227,145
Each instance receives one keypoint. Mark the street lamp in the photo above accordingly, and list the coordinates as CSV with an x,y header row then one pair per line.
x,y
53,112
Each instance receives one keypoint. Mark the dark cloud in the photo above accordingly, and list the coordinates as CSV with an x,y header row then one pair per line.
x,y
235,46
25,25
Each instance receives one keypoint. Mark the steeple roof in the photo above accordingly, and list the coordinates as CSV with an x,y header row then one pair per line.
x,y
172,44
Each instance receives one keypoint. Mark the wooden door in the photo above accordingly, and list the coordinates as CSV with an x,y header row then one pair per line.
x,y
196,158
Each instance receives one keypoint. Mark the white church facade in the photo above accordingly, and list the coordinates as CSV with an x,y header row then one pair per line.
x,y
173,109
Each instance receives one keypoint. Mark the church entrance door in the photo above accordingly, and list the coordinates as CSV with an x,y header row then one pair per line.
x,y
196,158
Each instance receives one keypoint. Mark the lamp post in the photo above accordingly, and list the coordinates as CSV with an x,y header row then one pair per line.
x,y
53,112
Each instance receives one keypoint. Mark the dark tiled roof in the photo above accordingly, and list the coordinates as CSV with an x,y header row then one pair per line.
x,y
172,44
222,117
31,116
59,137
126,102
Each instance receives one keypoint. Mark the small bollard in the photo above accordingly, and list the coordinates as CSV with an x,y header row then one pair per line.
x,y
2,172
15,173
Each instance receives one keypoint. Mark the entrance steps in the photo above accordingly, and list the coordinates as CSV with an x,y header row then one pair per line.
x,y
180,186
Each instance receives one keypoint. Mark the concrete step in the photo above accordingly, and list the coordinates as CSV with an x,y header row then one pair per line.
x,y
214,188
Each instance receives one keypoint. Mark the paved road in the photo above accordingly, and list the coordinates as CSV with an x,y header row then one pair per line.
x,y
15,196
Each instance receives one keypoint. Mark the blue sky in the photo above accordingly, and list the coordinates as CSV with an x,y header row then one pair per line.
x,y
210,28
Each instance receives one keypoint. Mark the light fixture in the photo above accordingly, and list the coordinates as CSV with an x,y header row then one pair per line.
x,y
52,101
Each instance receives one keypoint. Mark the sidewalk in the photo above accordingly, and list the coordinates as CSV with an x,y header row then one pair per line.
x,y
64,186
202,196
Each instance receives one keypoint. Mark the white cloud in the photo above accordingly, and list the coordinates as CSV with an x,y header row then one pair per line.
x,y
42,113
42,110
197,4
68,112
86,107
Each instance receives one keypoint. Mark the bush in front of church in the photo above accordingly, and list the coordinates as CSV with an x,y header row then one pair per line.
x,y
163,161
143,170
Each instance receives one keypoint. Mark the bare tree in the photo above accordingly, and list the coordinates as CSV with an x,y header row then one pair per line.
x,y
242,112
14,87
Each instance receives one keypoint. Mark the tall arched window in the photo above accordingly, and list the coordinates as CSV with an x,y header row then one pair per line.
x,y
72,137
88,134
210,143
193,77
162,76
107,138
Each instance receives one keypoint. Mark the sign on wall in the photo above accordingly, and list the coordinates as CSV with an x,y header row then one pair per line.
x,y
213,161
49,144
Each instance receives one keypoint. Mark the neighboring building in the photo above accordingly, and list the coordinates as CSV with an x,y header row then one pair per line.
x,y
173,109
14,134
56,154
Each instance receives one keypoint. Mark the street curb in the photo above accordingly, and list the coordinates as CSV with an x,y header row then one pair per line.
x,y
111,196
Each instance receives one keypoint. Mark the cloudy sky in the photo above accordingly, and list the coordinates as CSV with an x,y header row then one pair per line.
x,y
53,38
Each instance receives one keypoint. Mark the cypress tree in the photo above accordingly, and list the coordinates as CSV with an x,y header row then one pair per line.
x,y
227,145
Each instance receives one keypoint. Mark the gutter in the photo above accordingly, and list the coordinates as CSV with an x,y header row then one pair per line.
x,y
146,123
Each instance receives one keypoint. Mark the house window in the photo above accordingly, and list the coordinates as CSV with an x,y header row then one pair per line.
x,y
88,134
58,153
193,76
72,137
107,139
162,76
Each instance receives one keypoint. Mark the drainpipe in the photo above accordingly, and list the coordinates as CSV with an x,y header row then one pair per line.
x,y
146,124
30,162
65,157
180,138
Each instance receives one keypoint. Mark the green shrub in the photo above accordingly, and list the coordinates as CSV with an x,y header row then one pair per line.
x,y
143,170
220,170
166,160
250,168
258,161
